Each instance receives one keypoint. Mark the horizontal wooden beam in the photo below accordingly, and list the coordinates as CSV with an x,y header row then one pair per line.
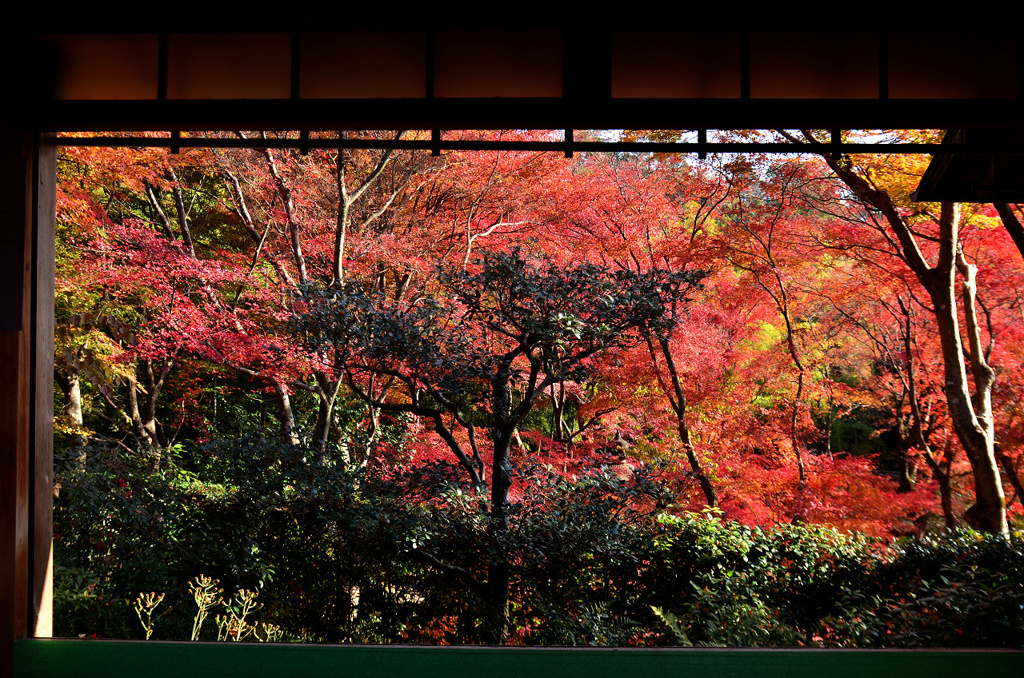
x,y
436,142
100,116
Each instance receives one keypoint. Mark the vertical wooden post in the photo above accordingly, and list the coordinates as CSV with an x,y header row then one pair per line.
x,y
27,212
41,434
16,216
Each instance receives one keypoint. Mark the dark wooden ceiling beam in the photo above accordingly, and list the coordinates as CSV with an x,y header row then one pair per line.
x,y
580,113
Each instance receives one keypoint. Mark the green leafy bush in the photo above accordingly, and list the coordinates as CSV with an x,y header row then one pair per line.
x,y
736,584
382,555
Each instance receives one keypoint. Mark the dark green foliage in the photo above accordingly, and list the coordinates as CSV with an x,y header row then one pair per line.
x,y
855,437
250,516
965,589
740,585
807,585
483,352
582,546
83,605
116,533
382,556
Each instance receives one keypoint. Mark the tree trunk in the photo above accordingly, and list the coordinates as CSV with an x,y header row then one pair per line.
x,y
677,399
971,414
143,415
70,386
908,471
941,471
1011,473
499,572
294,235
1012,225
153,386
327,395
794,434
285,414
558,427
132,396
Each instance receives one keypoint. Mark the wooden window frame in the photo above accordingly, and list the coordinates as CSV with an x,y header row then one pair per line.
x,y
28,123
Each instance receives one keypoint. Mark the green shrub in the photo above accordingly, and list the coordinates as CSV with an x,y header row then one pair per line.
x,y
381,555
788,578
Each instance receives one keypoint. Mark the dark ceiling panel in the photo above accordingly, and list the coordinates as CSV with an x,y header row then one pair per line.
x,y
822,65
498,64
228,66
953,64
363,65
676,64
102,67
711,69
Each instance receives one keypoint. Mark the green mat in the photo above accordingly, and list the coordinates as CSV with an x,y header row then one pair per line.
x,y
44,658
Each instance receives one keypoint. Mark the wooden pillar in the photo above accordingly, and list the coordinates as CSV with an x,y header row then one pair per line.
x,y
41,434
16,182
27,195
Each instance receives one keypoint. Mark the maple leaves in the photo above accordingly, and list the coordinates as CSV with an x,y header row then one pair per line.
x,y
219,262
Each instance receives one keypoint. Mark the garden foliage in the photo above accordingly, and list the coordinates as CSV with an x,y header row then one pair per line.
x,y
599,558
384,396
